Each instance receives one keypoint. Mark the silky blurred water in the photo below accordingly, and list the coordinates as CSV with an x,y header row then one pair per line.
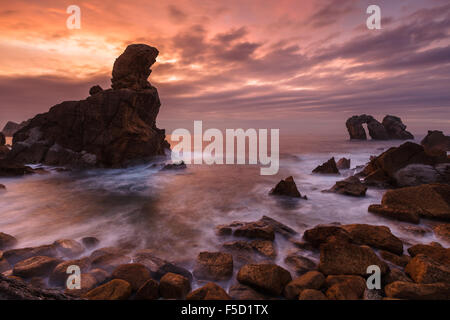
x,y
175,212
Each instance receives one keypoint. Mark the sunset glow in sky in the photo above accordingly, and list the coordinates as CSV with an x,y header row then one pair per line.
x,y
298,65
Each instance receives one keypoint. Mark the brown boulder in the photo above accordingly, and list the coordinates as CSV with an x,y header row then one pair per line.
x,y
395,213
262,247
398,260
351,186
418,291
311,294
59,274
339,257
243,292
395,274
135,274
15,255
443,231
299,263
343,164
310,280
148,291
423,269
90,242
6,241
323,233
436,252
255,230
395,128
95,89
436,141
109,261
379,237
174,286
87,283
328,167
286,187
267,278
210,291
214,266
35,267
69,248
345,287
113,290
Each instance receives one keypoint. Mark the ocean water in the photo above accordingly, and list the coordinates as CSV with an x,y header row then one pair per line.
x,y
175,212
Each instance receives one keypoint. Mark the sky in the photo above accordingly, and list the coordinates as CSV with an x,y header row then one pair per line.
x,y
300,66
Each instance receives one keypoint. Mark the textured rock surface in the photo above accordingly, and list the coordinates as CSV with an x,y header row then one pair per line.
x,y
210,291
111,128
174,286
436,141
214,266
351,186
328,167
391,128
417,174
11,128
418,291
310,280
135,274
6,241
267,278
286,187
395,128
113,290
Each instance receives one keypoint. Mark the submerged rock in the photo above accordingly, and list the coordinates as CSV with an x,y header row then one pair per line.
x,y
210,291
135,274
214,266
328,167
286,187
35,267
112,128
343,164
174,286
267,278
113,290
351,186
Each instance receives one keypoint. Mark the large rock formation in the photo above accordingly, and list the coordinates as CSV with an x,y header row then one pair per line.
x,y
111,128
391,128
436,141
12,127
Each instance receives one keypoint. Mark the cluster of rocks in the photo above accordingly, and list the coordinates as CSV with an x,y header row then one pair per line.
x,y
391,128
111,128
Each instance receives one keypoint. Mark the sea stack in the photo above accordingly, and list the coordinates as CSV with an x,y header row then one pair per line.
x,y
111,128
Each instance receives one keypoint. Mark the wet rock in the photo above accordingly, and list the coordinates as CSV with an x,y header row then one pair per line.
x,y
87,283
417,174
174,286
174,166
264,228
417,231
170,267
395,128
224,230
132,68
90,242
310,280
311,294
429,201
437,253
418,291
267,278
113,290
323,233
35,267
423,269
255,230
135,274
59,274
379,237
4,264
99,274
14,289
356,130
394,213
443,230
399,260
395,274
345,287
351,186
328,167
279,227
286,187
148,259
108,261
69,248
243,292
299,263
436,141
343,164
263,247
95,89
15,255
214,266
12,169
210,291
339,257
148,291
113,128
38,282
6,241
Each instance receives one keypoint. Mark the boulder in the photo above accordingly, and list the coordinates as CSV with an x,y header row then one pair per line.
x,y
264,228
243,292
15,255
6,241
90,242
170,267
423,269
429,200
95,89
436,252
286,187
152,262
399,260
299,263
395,128
267,278
12,127
328,167
14,289
255,230
395,213
279,227
132,68
113,290
262,247
135,274
148,291
443,230
340,257
393,275
35,267
417,174
113,128
345,287
310,280
436,142
323,233
99,274
69,248
351,186
210,291
311,294
343,164
58,276
174,286
418,291
379,237
376,130
214,266
87,283
109,261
